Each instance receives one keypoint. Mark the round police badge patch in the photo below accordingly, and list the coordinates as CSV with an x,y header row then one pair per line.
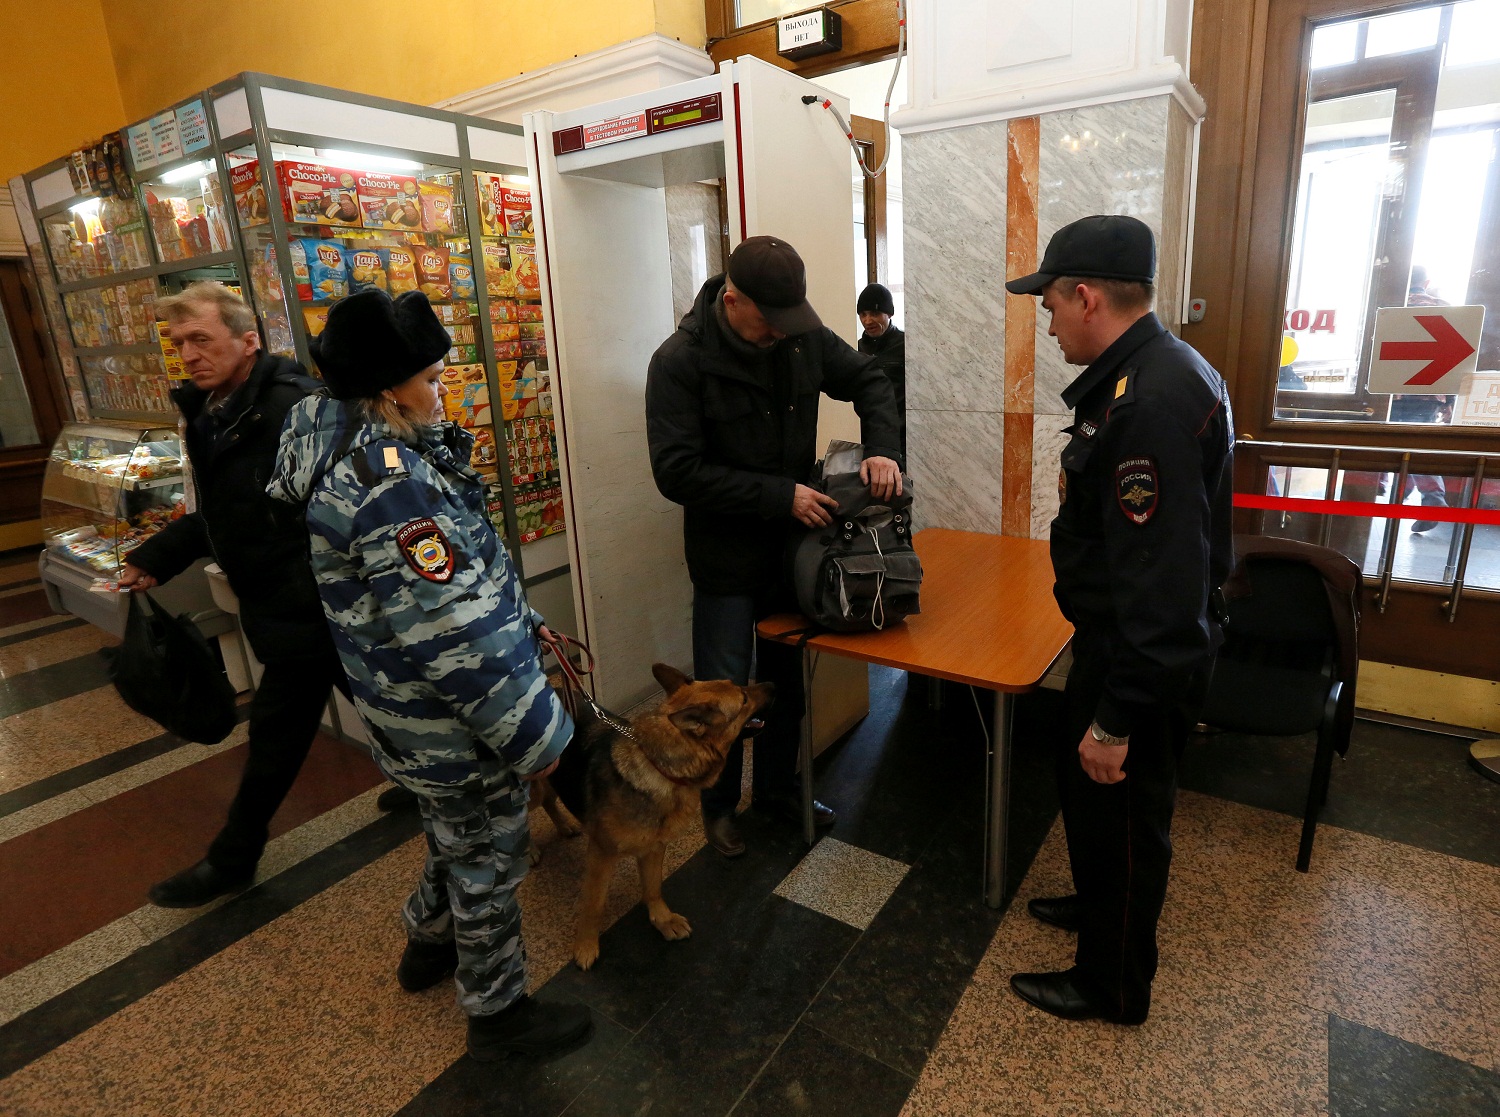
x,y
426,549
1136,489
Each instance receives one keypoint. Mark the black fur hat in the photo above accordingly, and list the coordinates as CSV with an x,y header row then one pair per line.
x,y
372,342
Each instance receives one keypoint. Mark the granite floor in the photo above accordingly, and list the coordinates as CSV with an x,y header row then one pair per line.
x,y
864,977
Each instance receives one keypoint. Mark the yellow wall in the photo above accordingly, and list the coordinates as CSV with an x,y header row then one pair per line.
x,y
57,81
410,50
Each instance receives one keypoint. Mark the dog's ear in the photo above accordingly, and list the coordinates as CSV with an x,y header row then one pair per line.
x,y
671,679
698,720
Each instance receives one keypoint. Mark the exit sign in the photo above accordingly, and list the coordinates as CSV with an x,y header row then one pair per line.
x,y
809,33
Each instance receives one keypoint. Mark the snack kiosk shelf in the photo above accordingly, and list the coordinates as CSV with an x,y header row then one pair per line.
x,y
297,195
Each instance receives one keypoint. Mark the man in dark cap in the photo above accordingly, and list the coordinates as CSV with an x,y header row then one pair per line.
x,y
732,422
1141,542
884,341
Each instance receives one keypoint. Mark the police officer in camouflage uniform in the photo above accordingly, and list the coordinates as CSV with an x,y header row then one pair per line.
x,y
440,646
1141,542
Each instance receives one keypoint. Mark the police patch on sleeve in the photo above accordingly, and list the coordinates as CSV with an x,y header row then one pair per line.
x,y
426,549
1136,489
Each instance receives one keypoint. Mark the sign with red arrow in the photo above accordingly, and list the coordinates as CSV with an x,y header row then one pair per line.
x,y
1425,350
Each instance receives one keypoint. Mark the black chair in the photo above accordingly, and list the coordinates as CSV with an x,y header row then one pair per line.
x,y
1290,661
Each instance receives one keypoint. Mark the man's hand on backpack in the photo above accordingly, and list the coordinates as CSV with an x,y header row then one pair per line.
x,y
812,508
883,476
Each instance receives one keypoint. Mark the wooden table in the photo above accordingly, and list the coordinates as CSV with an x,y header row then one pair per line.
x,y
988,619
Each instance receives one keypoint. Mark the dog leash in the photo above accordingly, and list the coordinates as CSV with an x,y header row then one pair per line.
x,y
574,688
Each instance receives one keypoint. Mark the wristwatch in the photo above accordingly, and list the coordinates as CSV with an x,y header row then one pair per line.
x,y
1107,738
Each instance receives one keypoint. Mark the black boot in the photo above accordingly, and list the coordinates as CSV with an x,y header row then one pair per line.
x,y
424,964
723,834
528,1027
196,886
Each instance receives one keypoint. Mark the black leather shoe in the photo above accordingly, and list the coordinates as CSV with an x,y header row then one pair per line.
x,y
1058,994
1060,911
788,808
723,834
197,885
397,798
528,1027
424,964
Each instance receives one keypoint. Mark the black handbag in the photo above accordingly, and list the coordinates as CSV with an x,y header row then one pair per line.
x,y
165,670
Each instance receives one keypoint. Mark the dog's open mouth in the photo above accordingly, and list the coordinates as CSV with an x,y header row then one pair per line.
x,y
754,725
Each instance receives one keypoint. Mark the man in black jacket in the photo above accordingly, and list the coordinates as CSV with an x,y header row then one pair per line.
x,y
234,409
732,421
1141,543
884,341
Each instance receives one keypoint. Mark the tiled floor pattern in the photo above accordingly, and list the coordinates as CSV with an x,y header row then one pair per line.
x,y
856,980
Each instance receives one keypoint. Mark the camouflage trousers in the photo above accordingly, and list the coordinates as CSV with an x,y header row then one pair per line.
x,y
477,842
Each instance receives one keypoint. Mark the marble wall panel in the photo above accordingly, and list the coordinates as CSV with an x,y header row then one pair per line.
x,y
693,237
1047,442
1098,159
956,461
954,236
1172,250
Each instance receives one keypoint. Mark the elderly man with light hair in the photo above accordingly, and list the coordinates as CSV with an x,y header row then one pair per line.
x,y
233,411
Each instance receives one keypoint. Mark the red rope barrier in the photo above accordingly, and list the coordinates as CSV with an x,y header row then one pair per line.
x,y
1368,509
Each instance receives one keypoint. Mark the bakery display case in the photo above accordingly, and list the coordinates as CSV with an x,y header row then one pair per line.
x,y
108,488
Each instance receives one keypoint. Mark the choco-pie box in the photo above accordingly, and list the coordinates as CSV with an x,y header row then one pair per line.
x,y
314,194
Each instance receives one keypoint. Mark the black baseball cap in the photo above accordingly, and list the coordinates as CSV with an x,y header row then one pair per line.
x,y
1105,246
768,272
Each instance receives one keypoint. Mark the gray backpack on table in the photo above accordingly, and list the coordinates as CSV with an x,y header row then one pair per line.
x,y
860,573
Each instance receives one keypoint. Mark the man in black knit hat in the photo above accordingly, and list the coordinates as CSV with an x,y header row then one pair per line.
x,y
884,341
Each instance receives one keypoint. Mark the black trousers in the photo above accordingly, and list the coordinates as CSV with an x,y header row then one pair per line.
x,y
284,717
1119,839
724,644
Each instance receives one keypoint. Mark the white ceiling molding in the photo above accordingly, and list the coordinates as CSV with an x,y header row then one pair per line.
x,y
638,65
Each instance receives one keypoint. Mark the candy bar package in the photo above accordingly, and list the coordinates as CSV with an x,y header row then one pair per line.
x,y
298,252
437,206
461,279
528,312
462,355
498,280
318,195
503,312
515,204
523,267
327,270
249,194
462,333
507,350
506,331
490,188
432,274
316,318
532,330
366,269
388,201
400,269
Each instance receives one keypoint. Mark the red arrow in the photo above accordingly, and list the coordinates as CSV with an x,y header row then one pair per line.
x,y
1443,353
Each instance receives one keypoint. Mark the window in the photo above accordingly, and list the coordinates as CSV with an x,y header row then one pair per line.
x,y
1398,204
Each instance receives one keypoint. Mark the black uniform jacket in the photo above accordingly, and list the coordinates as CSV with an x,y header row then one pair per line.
x,y
889,351
260,543
1143,535
731,437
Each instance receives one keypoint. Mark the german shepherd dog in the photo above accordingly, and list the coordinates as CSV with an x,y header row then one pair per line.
x,y
634,791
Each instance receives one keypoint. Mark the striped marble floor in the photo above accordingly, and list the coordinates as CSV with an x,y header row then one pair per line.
x,y
862,978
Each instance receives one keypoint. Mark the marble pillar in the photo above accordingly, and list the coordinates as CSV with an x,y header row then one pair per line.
x,y
1002,148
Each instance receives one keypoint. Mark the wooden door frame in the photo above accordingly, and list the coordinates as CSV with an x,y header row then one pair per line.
x,y
22,467
871,137
1248,64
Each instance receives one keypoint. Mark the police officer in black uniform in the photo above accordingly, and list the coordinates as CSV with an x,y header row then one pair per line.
x,y
1141,542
